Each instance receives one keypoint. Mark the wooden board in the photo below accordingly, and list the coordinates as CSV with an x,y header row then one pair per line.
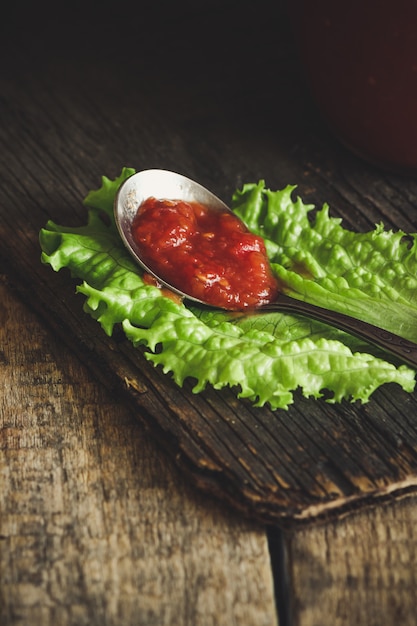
x,y
96,526
360,570
70,116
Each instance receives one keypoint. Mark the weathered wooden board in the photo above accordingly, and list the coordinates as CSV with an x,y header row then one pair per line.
x,y
71,113
359,570
96,527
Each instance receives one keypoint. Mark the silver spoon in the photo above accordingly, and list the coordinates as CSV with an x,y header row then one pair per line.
x,y
171,186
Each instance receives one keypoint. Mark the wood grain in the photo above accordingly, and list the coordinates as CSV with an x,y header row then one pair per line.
x,y
361,570
71,113
96,525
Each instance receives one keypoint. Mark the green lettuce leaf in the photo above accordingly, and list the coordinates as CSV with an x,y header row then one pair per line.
x,y
370,276
264,357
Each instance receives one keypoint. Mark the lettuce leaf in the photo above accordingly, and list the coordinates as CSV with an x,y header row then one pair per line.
x,y
264,357
370,276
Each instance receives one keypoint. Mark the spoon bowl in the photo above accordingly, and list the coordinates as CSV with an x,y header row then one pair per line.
x,y
159,184
163,184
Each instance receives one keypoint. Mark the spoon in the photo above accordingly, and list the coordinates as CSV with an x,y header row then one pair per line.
x,y
169,185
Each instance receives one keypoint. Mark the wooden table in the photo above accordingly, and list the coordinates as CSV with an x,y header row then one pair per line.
x,y
99,523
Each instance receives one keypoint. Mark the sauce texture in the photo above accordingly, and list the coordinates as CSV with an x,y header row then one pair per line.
x,y
206,253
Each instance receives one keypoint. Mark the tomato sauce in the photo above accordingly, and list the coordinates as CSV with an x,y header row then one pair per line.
x,y
208,254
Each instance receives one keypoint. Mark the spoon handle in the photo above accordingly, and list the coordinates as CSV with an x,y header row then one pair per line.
x,y
402,348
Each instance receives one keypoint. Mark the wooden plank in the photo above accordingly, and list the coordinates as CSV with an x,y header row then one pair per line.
x,y
361,570
97,526
72,116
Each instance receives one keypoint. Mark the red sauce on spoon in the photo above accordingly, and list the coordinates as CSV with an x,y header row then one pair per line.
x,y
208,254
